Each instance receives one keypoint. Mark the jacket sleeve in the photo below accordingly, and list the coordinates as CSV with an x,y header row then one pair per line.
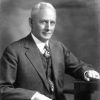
x,y
8,70
73,65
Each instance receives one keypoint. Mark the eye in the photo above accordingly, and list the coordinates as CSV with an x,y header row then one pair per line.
x,y
42,22
52,22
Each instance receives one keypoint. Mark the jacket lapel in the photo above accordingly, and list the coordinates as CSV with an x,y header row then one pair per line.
x,y
33,55
55,61
57,64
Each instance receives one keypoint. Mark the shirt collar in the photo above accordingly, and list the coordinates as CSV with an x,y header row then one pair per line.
x,y
40,44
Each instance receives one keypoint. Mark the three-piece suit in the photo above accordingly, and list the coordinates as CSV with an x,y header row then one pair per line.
x,y
22,72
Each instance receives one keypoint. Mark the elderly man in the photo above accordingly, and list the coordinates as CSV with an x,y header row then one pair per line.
x,y
33,68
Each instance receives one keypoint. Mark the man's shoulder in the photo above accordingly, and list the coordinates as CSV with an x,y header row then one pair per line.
x,y
59,44
18,43
56,42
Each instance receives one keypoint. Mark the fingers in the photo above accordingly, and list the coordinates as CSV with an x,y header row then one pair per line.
x,y
92,74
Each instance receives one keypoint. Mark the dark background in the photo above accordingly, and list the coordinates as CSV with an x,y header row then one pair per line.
x,y
78,27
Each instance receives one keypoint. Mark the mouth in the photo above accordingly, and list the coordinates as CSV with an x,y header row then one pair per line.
x,y
46,33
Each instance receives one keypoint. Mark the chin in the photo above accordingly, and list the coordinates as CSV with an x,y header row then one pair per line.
x,y
47,37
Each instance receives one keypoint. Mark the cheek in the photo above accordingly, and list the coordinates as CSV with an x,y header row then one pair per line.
x,y
53,27
41,27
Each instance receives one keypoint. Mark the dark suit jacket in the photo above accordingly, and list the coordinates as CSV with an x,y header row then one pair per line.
x,y
22,72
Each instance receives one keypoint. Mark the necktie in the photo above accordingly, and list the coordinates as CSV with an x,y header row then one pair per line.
x,y
47,51
47,55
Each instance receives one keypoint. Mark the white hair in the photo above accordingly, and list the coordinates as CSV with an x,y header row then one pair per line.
x,y
42,5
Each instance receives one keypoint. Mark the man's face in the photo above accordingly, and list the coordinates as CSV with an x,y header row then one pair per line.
x,y
44,24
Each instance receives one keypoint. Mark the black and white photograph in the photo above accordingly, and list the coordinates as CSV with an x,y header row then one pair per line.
x,y
49,49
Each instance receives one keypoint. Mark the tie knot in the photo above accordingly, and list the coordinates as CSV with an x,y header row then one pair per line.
x,y
47,51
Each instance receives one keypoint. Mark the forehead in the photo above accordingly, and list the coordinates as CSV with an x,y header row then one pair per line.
x,y
46,13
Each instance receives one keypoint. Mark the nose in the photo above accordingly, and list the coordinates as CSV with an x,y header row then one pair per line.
x,y
47,26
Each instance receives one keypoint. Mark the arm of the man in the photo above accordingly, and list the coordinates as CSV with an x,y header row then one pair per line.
x,y
78,68
8,71
8,76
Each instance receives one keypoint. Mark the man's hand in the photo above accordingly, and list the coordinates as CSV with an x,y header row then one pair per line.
x,y
91,74
38,96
